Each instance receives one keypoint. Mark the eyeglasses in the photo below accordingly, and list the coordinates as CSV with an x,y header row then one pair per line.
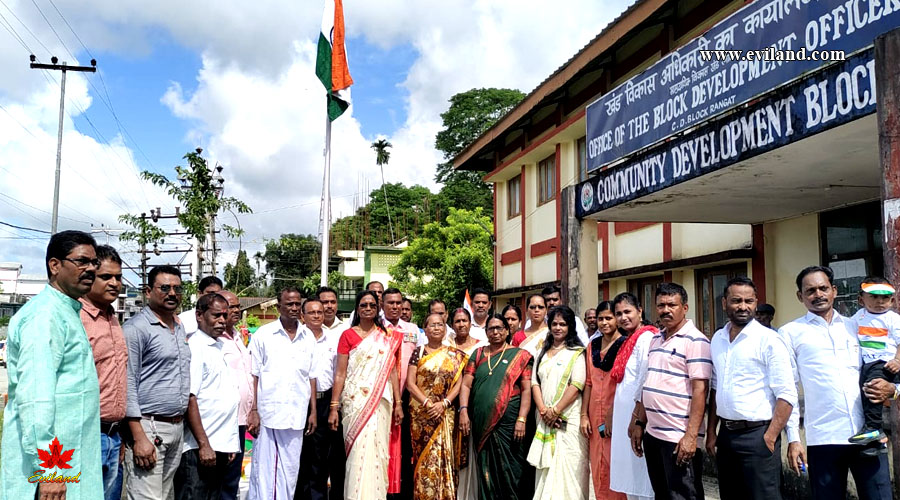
x,y
168,288
495,329
108,277
536,306
368,305
84,262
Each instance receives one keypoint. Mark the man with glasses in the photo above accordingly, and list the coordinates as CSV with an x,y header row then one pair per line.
x,y
111,359
392,301
54,397
323,450
159,379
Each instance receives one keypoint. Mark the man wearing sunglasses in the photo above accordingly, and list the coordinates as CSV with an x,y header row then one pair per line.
x,y
159,379
111,359
54,397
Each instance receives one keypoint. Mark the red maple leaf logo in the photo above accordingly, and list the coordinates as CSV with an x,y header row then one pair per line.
x,y
55,457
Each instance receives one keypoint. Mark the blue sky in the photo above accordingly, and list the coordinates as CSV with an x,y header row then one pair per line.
x,y
249,97
136,84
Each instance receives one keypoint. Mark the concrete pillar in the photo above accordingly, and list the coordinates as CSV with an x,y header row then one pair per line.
x,y
578,255
887,74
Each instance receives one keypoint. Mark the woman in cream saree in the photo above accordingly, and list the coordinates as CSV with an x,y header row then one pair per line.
x,y
367,392
559,452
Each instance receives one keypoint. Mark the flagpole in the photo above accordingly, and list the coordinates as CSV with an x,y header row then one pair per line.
x,y
326,198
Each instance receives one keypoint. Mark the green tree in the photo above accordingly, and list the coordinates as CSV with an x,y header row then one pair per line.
x,y
187,297
199,192
461,192
382,157
411,209
240,277
292,258
448,259
313,281
470,114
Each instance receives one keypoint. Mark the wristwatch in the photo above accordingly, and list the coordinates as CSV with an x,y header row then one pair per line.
x,y
640,423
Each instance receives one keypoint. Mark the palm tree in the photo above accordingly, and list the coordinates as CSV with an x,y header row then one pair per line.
x,y
258,257
382,156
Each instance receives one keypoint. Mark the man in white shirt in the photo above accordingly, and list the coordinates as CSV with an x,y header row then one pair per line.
x,y
237,357
207,285
590,323
751,397
323,451
210,438
392,301
284,381
481,309
825,358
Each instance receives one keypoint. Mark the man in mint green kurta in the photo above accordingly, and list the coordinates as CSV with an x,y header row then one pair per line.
x,y
53,389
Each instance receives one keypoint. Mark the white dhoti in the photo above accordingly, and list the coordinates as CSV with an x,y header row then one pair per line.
x,y
275,464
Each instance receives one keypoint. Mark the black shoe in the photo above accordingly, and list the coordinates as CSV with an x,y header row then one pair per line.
x,y
867,436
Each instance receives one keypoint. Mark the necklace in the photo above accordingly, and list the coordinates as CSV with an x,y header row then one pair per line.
x,y
499,359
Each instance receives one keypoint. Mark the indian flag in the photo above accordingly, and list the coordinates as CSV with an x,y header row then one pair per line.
x,y
331,60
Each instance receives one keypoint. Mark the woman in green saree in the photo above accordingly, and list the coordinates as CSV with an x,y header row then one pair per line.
x,y
495,399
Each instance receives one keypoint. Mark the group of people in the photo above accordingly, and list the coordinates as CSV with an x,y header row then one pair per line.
x,y
472,405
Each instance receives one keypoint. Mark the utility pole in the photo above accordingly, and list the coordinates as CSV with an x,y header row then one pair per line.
x,y
62,103
155,215
887,53
219,186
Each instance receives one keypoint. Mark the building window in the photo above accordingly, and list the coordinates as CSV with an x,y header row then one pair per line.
x,y
513,201
710,285
581,147
852,248
645,290
547,179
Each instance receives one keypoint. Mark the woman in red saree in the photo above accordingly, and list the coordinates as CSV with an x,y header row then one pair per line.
x,y
367,391
494,404
598,395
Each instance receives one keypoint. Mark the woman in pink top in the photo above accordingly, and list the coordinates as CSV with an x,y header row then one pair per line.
x,y
598,395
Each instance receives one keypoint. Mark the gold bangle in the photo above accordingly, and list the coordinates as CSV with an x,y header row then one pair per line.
x,y
521,419
335,404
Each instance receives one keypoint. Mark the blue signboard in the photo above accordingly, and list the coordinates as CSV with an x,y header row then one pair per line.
x,y
684,89
822,100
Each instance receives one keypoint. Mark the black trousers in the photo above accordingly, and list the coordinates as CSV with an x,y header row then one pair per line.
x,y
872,411
828,467
196,482
752,471
233,475
671,481
322,457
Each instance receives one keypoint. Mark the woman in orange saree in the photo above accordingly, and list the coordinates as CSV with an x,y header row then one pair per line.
x,y
367,391
433,382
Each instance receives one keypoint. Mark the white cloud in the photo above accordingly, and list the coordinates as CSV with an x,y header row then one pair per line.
x,y
258,108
